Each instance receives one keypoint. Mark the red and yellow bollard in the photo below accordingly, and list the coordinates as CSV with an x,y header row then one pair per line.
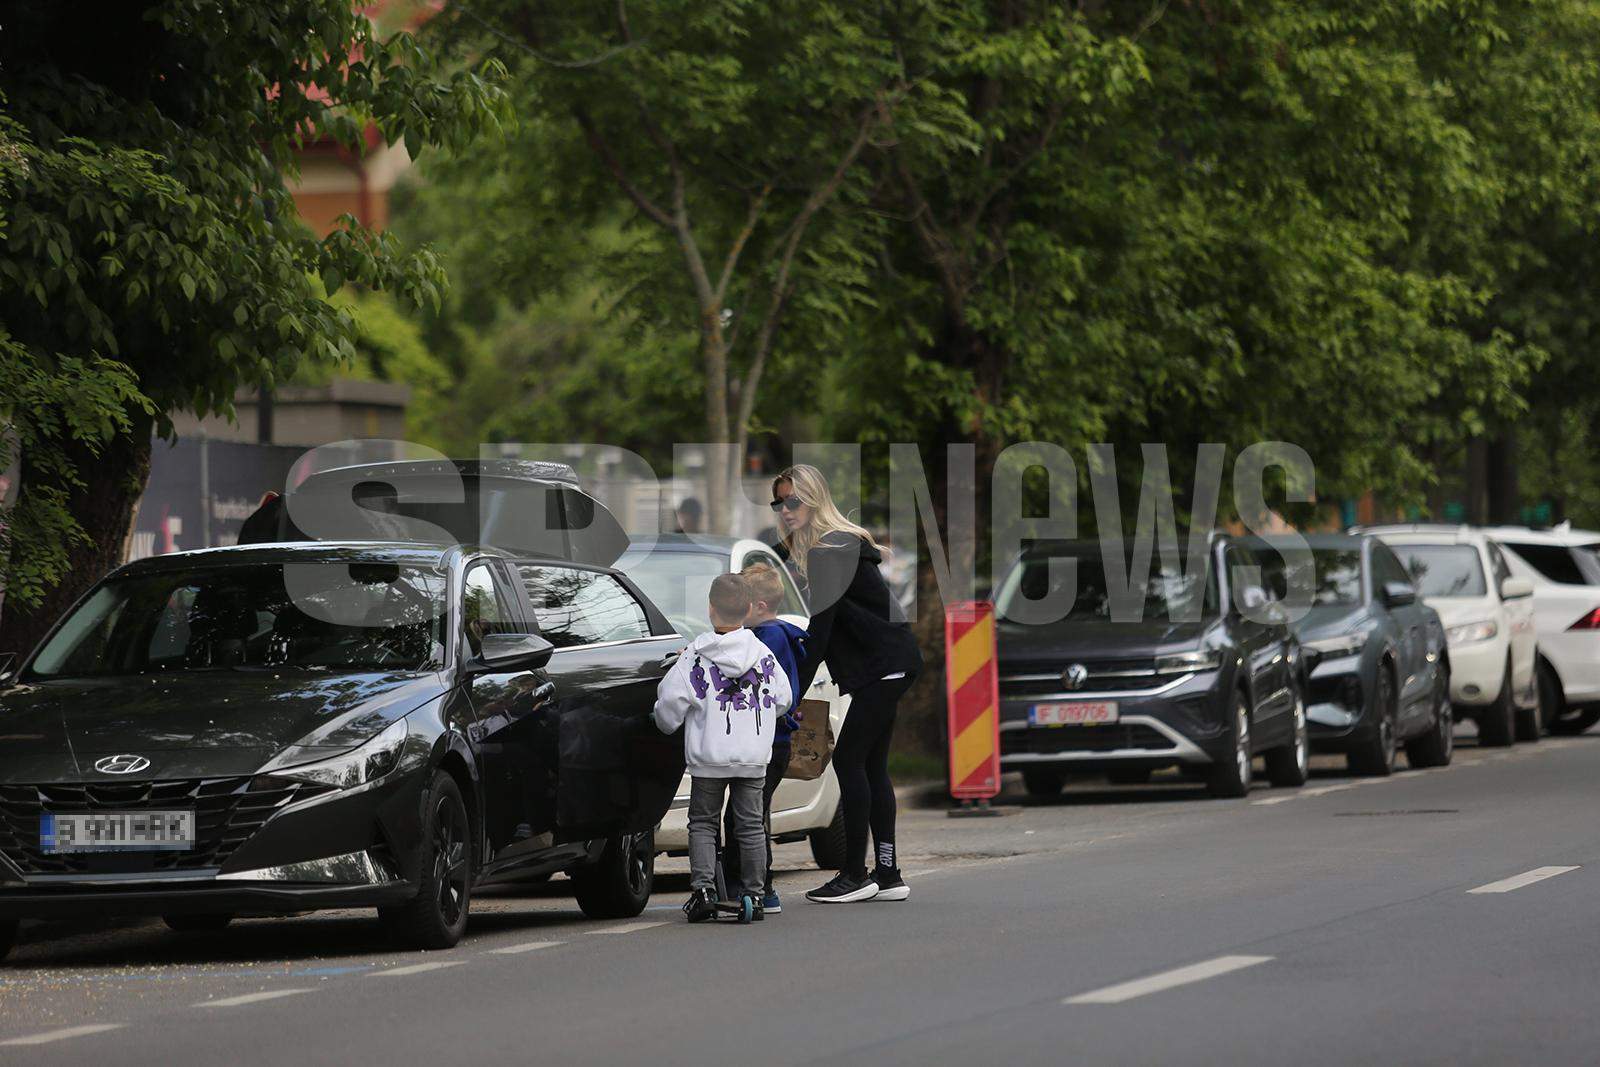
x,y
972,695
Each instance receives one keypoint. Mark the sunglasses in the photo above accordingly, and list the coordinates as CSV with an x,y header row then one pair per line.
x,y
788,503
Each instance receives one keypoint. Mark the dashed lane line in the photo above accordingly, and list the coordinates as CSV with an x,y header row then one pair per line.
x,y
626,928
416,968
62,1035
252,998
526,946
1156,983
1506,885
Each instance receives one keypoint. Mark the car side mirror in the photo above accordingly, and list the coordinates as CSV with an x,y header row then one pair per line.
x,y
1399,594
1252,598
507,653
1515,588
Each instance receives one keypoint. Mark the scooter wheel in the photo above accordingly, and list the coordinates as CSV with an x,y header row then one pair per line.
x,y
747,910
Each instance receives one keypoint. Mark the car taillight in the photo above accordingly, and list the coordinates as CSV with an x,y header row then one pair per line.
x,y
1590,621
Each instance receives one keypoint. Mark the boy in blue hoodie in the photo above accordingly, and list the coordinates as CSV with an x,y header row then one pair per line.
x,y
787,643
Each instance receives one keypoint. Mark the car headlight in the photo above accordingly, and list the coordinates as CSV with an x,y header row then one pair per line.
x,y
1469,633
368,763
1179,662
1330,647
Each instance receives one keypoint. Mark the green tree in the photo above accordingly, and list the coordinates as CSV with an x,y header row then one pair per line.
x,y
150,258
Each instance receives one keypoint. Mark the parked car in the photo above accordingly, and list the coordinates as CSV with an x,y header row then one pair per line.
x,y
1564,566
1488,619
274,729
1378,670
675,571
1195,684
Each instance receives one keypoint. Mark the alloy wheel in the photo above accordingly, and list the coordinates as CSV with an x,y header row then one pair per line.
x,y
1386,738
450,858
1445,718
636,848
1241,750
1302,743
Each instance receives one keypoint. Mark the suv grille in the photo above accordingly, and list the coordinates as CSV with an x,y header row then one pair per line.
x,y
1056,739
1038,679
226,812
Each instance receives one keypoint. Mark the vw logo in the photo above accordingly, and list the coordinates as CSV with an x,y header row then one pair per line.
x,y
1074,676
121,764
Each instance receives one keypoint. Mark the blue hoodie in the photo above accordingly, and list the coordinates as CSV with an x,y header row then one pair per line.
x,y
788,644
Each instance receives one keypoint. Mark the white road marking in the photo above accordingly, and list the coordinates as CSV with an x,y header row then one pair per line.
x,y
1274,800
252,998
526,946
626,928
1506,885
1195,972
1326,789
61,1035
416,968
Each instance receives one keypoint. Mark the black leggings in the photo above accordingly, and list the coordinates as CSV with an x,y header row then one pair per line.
x,y
861,762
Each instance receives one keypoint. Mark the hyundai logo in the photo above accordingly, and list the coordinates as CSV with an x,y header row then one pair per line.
x,y
121,764
1074,676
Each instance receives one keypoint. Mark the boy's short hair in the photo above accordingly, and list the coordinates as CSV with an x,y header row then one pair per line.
x,y
764,584
730,597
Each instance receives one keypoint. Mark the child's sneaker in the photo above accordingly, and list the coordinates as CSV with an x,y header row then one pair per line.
x,y
890,885
844,889
701,906
771,904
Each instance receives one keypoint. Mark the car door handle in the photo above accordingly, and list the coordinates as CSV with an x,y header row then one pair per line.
x,y
666,662
543,692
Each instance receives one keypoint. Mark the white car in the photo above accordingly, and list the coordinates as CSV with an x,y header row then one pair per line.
x,y
1488,620
675,571
1564,566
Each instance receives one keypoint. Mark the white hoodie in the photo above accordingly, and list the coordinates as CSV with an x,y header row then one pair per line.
x,y
729,689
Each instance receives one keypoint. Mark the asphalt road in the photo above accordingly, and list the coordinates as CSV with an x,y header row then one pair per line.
x,y
1444,916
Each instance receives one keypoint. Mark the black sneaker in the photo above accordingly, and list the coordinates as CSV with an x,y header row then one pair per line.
x,y
844,889
890,885
701,906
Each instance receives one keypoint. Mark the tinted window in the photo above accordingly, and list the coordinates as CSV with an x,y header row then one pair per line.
x,y
1443,570
1387,568
321,616
578,607
678,583
483,609
1558,563
792,604
1334,578
1166,596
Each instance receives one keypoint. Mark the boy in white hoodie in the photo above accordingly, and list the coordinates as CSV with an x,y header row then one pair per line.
x,y
727,691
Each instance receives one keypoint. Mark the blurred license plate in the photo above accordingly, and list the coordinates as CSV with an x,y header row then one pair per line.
x,y
1078,713
114,831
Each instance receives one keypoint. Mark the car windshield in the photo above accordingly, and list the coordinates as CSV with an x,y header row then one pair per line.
x,y
678,583
1167,595
1444,570
299,616
1335,576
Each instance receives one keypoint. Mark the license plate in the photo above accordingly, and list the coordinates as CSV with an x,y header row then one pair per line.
x,y
1078,713
116,831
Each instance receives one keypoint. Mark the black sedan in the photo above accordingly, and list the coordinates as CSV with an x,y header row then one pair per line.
x,y
1379,666
274,729
1182,670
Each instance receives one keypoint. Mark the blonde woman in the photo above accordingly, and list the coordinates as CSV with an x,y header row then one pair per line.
x,y
860,631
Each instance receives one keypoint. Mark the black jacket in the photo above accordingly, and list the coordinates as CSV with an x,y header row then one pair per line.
x,y
857,626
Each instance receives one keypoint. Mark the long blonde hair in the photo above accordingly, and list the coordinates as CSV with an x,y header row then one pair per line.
x,y
811,486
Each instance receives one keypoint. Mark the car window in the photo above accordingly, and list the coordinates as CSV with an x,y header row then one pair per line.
x,y
1444,570
1335,576
1386,568
1167,596
678,583
792,604
580,607
1557,563
483,609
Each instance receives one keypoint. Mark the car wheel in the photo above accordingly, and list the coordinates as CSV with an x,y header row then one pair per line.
x,y
1497,723
1434,748
1042,783
1570,721
437,916
618,884
197,924
1375,754
8,936
1231,777
1530,721
827,844
1128,775
1552,700
1290,765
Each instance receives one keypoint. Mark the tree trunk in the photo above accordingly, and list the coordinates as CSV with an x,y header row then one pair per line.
x,y
1477,481
1505,496
103,506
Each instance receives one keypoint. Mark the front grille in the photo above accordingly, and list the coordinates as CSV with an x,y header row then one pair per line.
x,y
1105,676
226,812
1059,739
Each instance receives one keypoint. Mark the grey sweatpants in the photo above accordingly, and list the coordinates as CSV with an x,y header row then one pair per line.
x,y
705,812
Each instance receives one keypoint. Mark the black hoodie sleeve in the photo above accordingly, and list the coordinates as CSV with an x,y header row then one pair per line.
x,y
830,569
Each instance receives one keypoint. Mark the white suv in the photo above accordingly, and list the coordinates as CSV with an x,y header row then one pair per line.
x,y
1488,619
1564,566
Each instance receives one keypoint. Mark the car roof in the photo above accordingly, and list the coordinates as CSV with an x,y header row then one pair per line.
x,y
408,553
1080,545
1315,540
1556,535
1424,533
518,469
679,542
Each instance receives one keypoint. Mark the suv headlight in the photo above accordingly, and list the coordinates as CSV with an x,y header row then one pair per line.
x,y
1469,633
1331,647
1179,662
361,765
